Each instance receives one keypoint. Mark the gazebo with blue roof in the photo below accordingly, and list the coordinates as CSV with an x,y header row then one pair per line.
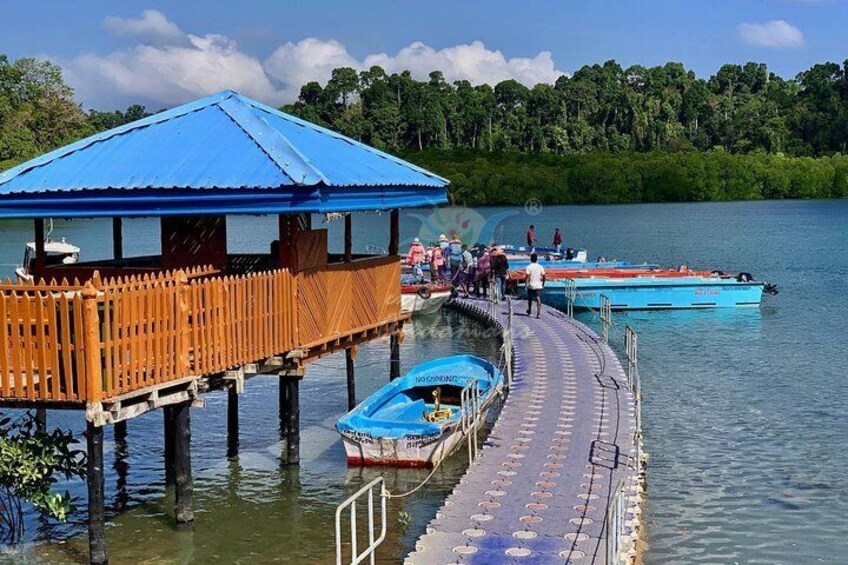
x,y
130,335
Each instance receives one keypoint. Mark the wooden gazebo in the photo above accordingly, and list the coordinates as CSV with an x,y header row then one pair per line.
x,y
121,337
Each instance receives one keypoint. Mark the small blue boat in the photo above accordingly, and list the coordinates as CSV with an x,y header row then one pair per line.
x,y
656,293
422,417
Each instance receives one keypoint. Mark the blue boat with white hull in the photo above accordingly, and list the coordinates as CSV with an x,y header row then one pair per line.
x,y
422,417
656,293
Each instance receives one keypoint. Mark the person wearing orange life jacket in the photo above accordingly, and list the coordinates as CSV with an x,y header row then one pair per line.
x,y
437,264
415,258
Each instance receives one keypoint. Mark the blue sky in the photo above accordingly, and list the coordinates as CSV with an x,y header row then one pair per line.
x,y
162,53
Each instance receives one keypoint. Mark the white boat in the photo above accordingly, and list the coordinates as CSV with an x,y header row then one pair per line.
x,y
424,416
55,253
423,298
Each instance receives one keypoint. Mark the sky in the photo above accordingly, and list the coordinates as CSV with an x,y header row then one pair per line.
x,y
162,53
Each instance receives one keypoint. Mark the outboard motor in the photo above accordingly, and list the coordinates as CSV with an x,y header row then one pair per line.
x,y
770,288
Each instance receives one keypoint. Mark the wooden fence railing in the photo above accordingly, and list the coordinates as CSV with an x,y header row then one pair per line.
x,y
75,344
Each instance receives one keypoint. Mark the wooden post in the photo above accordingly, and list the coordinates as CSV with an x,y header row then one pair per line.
x,y
290,416
350,356
394,357
117,239
348,238
41,419
394,232
232,420
96,505
168,417
121,431
183,506
91,345
40,256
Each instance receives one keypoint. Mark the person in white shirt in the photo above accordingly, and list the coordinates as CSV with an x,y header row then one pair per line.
x,y
534,282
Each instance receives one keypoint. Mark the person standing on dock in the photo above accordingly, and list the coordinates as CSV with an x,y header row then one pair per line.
x,y
455,259
437,264
500,269
535,277
466,275
531,237
558,240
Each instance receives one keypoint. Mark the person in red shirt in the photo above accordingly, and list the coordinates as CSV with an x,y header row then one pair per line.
x,y
531,237
558,240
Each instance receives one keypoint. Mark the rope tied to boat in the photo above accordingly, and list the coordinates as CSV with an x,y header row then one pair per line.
x,y
388,494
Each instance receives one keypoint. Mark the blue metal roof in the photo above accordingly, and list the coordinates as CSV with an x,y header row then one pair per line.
x,y
223,154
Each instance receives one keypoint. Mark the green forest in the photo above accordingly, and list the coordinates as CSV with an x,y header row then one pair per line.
x,y
605,134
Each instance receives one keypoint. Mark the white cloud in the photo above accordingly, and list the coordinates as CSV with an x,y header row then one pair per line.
x,y
295,64
151,25
168,75
774,33
173,67
472,62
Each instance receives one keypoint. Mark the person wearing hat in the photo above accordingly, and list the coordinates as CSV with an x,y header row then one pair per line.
x,y
415,257
455,259
499,266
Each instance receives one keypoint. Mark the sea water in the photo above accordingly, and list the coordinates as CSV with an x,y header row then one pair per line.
x,y
744,410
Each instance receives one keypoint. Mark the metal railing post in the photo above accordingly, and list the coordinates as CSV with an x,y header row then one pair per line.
x,y
606,316
357,557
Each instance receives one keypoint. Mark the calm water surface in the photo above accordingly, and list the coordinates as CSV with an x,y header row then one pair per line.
x,y
744,413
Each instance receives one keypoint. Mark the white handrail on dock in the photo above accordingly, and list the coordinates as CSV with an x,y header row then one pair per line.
x,y
356,556
606,316
615,523
631,348
470,407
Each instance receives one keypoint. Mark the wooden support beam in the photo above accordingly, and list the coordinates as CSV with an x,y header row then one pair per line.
x,y
184,492
121,431
168,416
348,238
40,255
96,504
350,356
41,419
232,419
394,357
117,239
394,232
290,416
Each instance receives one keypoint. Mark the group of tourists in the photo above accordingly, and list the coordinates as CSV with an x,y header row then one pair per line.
x,y
474,270
470,270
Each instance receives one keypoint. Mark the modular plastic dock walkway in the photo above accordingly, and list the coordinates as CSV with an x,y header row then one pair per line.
x,y
540,489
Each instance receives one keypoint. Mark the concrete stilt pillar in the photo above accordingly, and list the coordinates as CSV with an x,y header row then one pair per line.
x,y
184,503
394,357
96,505
121,465
232,420
290,416
41,419
350,356
168,417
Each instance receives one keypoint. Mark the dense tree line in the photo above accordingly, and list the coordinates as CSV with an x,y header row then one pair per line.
x,y
479,177
606,108
604,134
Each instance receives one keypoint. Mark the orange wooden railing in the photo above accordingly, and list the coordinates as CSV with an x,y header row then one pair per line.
x,y
64,342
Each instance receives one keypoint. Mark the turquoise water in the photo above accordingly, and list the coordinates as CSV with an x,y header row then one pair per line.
x,y
744,416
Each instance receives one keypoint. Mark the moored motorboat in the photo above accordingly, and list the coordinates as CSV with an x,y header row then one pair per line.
x,y
424,298
657,293
422,417
55,253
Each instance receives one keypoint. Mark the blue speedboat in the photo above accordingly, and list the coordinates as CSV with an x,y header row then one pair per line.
x,y
657,293
422,417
